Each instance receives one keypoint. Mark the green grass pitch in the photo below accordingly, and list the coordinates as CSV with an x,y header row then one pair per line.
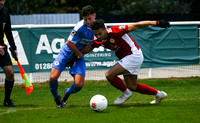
x,y
181,106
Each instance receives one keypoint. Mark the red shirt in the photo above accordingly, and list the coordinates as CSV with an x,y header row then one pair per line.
x,y
119,41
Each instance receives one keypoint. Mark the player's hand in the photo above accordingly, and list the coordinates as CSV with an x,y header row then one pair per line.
x,y
14,53
71,61
79,55
2,52
162,23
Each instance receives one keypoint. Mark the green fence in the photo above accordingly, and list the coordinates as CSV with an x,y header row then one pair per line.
x,y
174,46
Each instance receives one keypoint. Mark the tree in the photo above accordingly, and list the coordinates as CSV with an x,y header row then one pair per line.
x,y
157,7
103,7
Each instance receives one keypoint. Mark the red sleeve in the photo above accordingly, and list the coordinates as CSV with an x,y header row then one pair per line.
x,y
120,30
96,43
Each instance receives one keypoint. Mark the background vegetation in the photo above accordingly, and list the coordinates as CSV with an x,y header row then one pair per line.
x,y
114,7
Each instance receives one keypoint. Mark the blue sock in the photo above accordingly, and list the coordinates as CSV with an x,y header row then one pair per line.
x,y
54,88
72,89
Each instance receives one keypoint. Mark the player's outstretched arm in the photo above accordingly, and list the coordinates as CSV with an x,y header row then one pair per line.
x,y
163,23
87,49
141,24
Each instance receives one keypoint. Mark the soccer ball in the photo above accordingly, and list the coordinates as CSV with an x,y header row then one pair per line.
x,y
98,103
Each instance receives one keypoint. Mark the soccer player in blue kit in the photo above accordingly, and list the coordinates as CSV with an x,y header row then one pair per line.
x,y
81,36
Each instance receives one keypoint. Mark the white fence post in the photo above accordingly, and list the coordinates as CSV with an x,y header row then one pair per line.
x,y
150,73
31,77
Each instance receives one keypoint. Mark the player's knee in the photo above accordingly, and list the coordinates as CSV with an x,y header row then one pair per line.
x,y
79,86
55,73
10,75
108,76
53,78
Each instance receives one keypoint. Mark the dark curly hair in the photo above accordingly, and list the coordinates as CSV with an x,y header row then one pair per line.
x,y
87,10
97,24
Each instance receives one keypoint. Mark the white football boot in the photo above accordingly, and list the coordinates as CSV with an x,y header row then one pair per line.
x,y
159,97
125,96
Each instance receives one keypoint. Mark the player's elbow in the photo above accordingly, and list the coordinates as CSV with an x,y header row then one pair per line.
x,y
68,43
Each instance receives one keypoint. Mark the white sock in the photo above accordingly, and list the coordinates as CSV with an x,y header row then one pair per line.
x,y
127,91
158,94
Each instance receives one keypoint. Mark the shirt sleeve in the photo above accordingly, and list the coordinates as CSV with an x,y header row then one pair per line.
x,y
76,34
120,30
95,43
8,33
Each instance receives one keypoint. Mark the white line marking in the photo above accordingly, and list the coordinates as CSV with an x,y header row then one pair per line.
x,y
163,100
8,111
41,108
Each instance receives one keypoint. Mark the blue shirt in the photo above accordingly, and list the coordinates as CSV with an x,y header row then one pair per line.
x,y
81,36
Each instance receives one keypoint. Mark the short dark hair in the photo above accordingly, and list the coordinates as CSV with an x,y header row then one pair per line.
x,y
97,24
87,10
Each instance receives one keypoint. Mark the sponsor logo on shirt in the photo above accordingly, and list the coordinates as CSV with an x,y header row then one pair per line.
x,y
112,40
109,30
86,41
73,33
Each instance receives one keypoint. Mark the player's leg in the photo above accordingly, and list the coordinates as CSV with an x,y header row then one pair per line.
x,y
7,67
53,82
9,82
112,77
53,85
131,82
116,82
124,66
57,67
78,72
75,87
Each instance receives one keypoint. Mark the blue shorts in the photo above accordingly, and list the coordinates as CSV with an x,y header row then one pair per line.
x,y
77,69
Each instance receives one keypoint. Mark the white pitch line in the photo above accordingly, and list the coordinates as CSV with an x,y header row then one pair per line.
x,y
8,111
129,102
25,109
37,108
185,99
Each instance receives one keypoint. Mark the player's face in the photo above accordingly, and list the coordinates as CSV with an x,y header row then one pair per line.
x,y
89,19
100,34
2,3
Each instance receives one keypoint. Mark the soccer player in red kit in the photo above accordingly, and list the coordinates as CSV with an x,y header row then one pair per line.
x,y
130,57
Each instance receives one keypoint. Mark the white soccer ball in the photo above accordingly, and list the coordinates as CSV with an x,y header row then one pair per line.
x,y
98,103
